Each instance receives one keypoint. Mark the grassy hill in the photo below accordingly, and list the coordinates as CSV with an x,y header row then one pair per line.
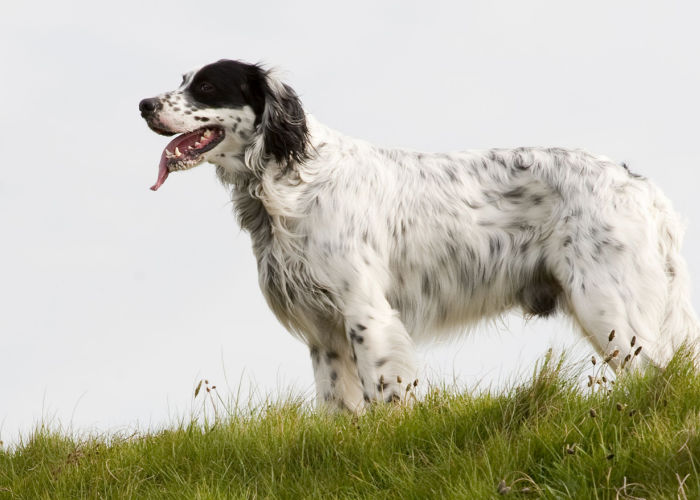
x,y
552,437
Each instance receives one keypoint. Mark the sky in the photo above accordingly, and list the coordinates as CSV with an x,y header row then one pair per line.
x,y
116,300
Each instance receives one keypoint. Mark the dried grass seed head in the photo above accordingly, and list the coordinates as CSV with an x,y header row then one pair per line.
x,y
502,488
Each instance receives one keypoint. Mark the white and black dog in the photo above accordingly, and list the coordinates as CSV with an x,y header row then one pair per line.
x,y
361,250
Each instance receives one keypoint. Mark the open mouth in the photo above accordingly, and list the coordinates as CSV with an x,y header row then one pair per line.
x,y
186,151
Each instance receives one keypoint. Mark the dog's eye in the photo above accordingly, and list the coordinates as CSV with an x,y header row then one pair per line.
x,y
206,87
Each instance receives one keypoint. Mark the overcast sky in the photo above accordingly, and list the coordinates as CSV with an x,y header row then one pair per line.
x,y
115,300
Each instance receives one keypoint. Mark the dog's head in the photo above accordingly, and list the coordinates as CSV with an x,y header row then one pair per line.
x,y
224,111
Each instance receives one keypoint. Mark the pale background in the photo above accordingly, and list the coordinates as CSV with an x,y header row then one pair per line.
x,y
115,300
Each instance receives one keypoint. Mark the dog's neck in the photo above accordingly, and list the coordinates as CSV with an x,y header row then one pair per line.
x,y
269,196
260,201
250,211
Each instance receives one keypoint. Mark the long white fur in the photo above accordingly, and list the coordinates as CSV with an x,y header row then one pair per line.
x,y
363,250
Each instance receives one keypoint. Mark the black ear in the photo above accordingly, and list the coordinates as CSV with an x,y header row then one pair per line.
x,y
283,124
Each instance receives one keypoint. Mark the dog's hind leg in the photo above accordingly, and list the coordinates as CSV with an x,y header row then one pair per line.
x,y
623,288
680,322
382,350
632,278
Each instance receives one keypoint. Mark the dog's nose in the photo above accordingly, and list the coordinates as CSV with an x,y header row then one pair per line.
x,y
148,106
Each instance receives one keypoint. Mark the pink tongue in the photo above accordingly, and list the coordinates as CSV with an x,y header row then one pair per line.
x,y
163,166
162,172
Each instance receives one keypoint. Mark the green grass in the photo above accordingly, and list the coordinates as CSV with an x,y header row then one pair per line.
x,y
538,440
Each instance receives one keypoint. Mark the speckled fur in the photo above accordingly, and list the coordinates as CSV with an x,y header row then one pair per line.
x,y
362,250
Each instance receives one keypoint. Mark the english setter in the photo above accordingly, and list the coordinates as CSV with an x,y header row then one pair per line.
x,y
361,250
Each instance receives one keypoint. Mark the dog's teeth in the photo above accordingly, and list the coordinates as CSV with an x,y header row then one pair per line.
x,y
177,152
168,154
202,138
198,144
207,133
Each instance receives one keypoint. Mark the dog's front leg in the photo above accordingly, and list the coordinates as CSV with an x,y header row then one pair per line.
x,y
337,382
382,350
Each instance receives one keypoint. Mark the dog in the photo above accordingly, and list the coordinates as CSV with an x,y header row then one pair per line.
x,y
363,250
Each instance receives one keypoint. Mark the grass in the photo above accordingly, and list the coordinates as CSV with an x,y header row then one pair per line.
x,y
638,437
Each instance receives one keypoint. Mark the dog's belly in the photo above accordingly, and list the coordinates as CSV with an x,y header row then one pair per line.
x,y
461,281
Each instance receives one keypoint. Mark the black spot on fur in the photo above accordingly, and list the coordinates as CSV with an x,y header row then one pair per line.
x,y
334,375
497,158
314,354
330,356
670,270
426,285
354,337
599,245
515,193
362,328
381,362
495,246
